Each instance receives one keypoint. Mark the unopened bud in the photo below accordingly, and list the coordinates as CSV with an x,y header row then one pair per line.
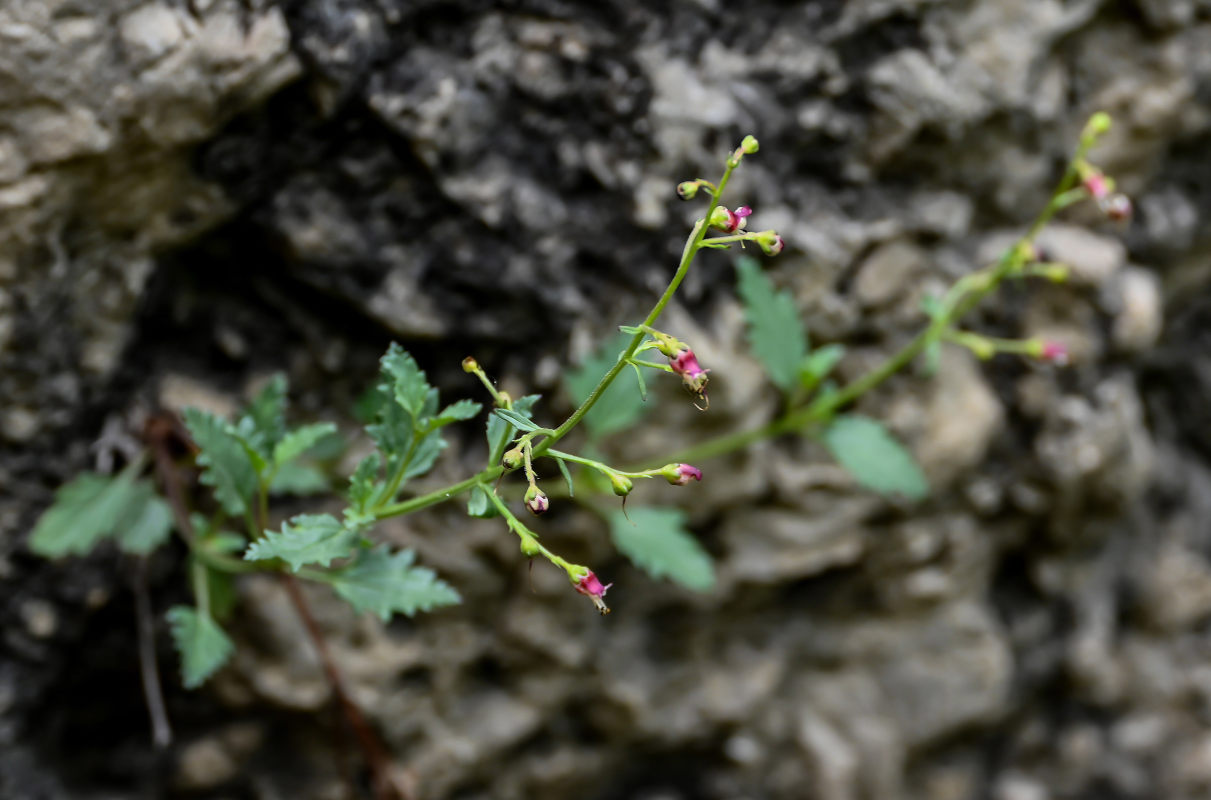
x,y
536,501
512,459
771,243
680,474
1098,124
530,546
470,364
687,190
621,484
749,145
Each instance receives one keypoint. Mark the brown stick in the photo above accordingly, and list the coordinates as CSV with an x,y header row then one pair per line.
x,y
387,785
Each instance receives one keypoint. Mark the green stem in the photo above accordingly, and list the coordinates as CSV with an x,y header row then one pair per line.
x,y
692,246
438,495
201,588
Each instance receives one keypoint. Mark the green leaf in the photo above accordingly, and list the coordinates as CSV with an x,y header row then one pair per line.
x,y
222,594
406,380
567,476
868,452
387,583
299,441
200,641
657,541
363,484
425,456
480,505
775,333
392,431
515,419
263,422
226,465
85,510
501,431
819,364
146,523
299,479
621,404
305,539
456,412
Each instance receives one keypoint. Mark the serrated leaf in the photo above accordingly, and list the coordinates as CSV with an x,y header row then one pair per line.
x,y
363,484
480,505
501,431
425,456
305,539
146,523
202,644
226,465
299,479
456,412
386,583
392,431
657,541
876,460
85,510
263,423
567,476
516,420
776,334
299,441
621,404
407,382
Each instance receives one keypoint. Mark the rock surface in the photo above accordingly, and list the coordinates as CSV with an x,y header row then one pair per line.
x,y
196,193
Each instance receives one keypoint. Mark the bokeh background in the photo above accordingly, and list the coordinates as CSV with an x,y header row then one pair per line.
x,y
195,194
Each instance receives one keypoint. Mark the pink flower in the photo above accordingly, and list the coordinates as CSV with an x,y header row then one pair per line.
x,y
681,474
1097,185
1054,352
1117,207
686,365
730,221
589,586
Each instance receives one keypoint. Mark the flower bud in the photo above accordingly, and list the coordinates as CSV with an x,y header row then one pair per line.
x,y
587,584
680,474
536,501
1055,352
730,221
470,364
621,484
748,145
771,243
687,190
512,459
1097,185
530,546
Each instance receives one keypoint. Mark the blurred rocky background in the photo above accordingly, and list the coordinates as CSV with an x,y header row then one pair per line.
x,y
195,194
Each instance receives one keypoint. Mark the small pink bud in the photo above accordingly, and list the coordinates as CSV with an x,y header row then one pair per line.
x,y
1097,185
681,474
1054,352
537,501
771,243
730,221
686,365
591,587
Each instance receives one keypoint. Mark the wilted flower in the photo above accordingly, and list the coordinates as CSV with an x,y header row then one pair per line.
x,y
692,375
621,484
1117,207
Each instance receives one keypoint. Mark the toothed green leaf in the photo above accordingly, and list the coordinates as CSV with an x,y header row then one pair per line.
x,y
386,583
226,465
876,460
501,431
776,334
657,541
298,479
202,644
305,539
299,441
407,382
456,412
146,522
84,512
